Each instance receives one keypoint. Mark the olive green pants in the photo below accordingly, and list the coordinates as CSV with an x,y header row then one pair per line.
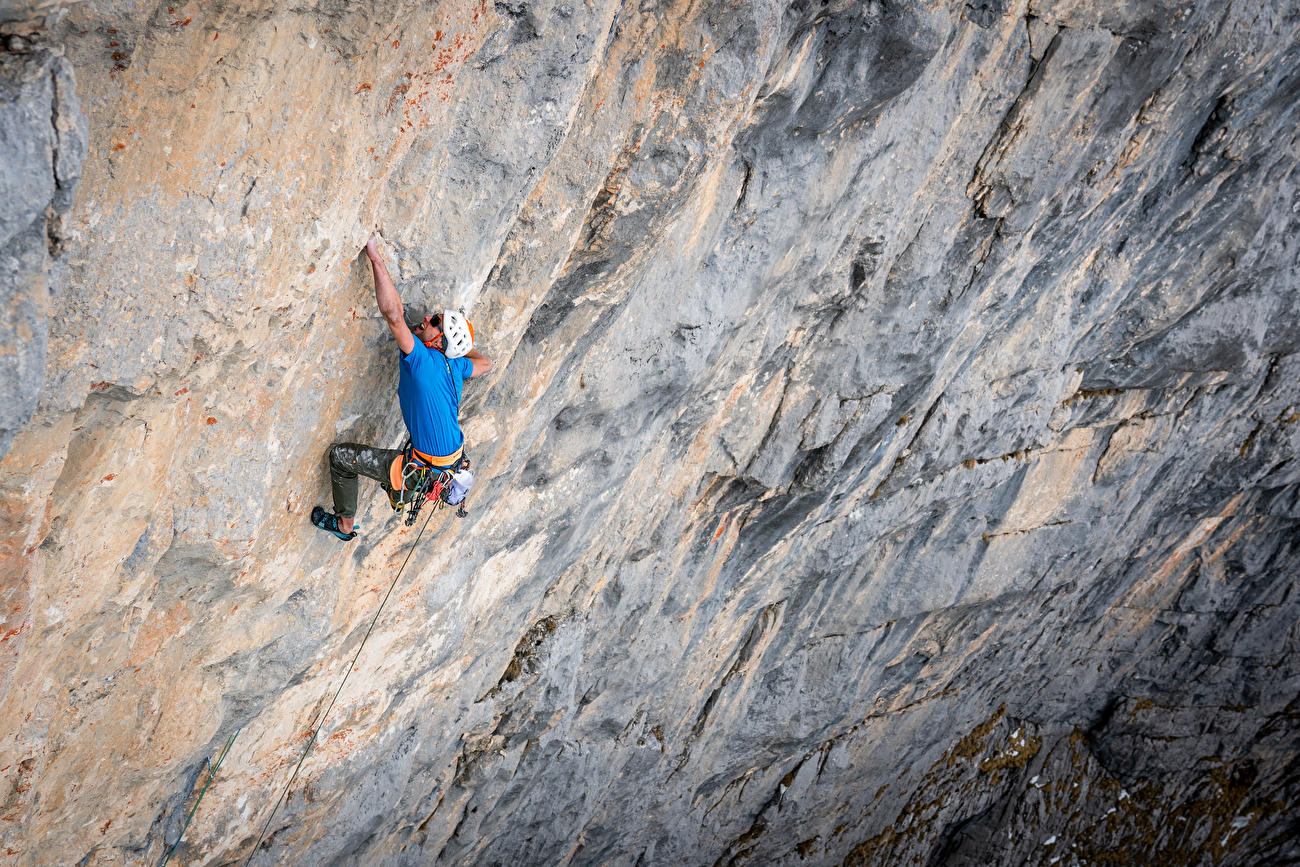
x,y
349,460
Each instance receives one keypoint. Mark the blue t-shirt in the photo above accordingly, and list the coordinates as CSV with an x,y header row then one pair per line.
x,y
429,390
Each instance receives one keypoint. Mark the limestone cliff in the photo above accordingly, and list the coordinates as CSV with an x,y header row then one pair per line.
x,y
42,145
889,457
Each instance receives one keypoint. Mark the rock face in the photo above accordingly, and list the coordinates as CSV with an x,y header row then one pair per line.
x,y
42,145
889,457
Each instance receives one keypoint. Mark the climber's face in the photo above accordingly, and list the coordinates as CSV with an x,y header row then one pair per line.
x,y
427,331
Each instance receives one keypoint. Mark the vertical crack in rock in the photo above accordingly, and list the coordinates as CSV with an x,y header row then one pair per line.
x,y
44,145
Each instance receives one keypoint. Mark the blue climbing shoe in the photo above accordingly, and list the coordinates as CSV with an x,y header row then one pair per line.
x,y
329,522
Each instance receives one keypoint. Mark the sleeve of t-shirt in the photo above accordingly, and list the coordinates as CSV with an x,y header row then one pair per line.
x,y
416,357
464,367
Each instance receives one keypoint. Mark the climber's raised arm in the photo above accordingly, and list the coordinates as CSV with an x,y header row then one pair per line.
x,y
390,303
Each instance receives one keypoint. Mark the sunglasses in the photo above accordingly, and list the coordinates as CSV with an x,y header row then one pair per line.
x,y
417,324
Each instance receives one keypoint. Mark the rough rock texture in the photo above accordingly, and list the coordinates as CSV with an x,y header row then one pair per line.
x,y
889,459
42,145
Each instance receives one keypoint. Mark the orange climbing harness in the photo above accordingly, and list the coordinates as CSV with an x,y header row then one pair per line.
x,y
412,460
414,477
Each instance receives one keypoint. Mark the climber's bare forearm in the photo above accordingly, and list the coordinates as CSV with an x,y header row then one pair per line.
x,y
390,304
386,297
482,364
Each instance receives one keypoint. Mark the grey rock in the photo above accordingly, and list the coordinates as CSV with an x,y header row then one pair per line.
x,y
43,137
889,457
536,21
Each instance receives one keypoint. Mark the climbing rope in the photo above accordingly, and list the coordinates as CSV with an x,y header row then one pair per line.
x,y
211,776
316,729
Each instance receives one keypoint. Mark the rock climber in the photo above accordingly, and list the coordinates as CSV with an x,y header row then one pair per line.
x,y
437,356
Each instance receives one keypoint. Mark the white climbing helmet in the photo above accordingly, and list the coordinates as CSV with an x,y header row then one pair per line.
x,y
458,334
